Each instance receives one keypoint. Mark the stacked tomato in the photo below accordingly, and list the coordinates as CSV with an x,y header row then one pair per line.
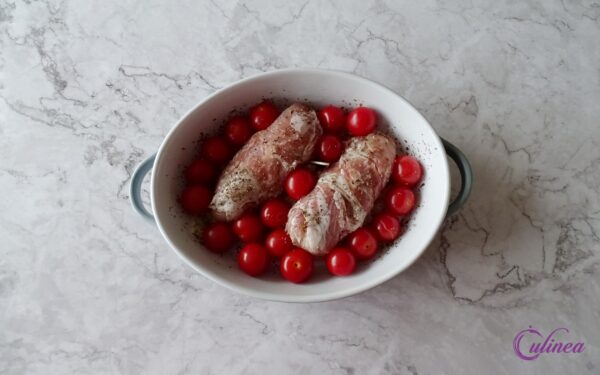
x,y
262,231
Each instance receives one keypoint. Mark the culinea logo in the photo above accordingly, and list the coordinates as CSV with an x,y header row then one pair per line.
x,y
540,345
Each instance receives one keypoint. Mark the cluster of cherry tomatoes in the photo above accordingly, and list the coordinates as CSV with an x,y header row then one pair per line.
x,y
262,232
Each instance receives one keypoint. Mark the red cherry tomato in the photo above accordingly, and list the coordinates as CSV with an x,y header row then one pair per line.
x,y
299,183
340,262
361,121
274,213
363,243
400,200
263,115
253,259
297,265
248,228
217,149
330,148
195,199
218,237
407,170
278,243
238,130
387,227
201,171
332,118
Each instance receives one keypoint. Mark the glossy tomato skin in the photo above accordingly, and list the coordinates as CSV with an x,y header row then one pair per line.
x,y
407,170
363,243
387,227
278,243
253,259
400,200
238,131
340,261
330,148
195,199
297,265
248,228
361,121
217,149
201,171
263,115
299,183
218,237
274,213
332,119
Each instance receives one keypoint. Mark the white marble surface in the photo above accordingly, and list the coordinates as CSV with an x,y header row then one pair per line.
x,y
89,89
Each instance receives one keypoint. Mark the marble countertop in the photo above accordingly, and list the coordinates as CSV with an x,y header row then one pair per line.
x,y
88,89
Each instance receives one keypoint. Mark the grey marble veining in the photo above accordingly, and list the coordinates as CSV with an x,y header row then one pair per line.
x,y
89,89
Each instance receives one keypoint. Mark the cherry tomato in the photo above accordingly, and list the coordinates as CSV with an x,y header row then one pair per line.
x,y
238,130
340,261
332,118
363,243
201,171
400,200
299,183
297,265
361,121
387,227
218,237
330,148
274,213
263,115
278,243
407,170
195,199
248,228
217,149
253,259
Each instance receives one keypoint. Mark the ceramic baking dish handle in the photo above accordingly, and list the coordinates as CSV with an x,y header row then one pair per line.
x,y
135,189
466,177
